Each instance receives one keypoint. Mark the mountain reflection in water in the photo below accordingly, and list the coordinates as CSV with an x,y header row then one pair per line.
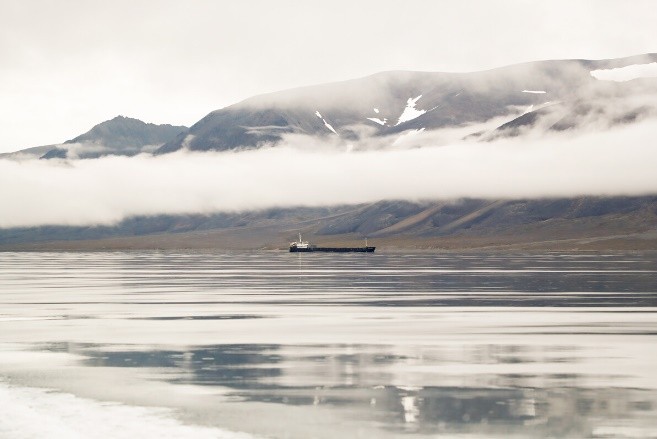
x,y
384,345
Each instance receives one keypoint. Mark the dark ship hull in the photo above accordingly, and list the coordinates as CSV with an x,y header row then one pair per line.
x,y
294,249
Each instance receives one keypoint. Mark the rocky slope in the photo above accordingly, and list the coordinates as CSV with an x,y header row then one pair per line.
x,y
389,103
584,223
119,136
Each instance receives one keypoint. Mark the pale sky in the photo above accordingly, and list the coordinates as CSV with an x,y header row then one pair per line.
x,y
70,64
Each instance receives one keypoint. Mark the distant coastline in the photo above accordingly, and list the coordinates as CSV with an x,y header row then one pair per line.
x,y
238,240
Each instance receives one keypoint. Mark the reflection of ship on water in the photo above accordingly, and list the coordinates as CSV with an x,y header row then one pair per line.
x,y
301,246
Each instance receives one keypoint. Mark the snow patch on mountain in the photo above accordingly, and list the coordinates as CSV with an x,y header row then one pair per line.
x,y
377,120
626,73
328,125
376,110
410,112
534,91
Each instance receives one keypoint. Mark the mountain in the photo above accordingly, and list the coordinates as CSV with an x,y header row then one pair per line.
x,y
119,136
389,103
585,223
543,96
125,133
531,99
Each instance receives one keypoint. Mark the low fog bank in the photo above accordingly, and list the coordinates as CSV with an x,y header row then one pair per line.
x,y
627,73
306,172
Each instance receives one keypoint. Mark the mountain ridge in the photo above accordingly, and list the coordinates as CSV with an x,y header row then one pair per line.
x,y
585,223
120,135
541,98
371,105
435,100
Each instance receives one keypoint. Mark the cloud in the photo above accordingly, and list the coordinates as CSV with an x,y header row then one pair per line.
x,y
55,85
106,190
626,73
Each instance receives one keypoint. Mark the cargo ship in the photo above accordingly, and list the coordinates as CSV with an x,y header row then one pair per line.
x,y
301,246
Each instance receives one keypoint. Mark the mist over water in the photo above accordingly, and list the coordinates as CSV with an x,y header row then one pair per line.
x,y
320,345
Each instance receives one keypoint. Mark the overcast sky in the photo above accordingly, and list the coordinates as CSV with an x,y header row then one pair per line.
x,y
68,65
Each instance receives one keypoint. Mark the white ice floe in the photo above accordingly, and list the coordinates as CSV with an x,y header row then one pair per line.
x,y
376,110
626,73
318,114
33,413
540,92
410,112
377,120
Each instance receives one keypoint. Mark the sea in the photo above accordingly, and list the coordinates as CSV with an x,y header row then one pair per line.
x,y
270,344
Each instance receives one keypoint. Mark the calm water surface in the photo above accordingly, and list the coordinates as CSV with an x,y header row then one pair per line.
x,y
282,345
